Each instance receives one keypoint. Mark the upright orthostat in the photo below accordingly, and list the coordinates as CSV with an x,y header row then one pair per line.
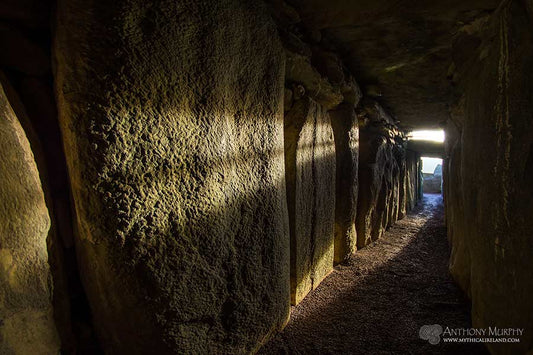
x,y
172,123
26,315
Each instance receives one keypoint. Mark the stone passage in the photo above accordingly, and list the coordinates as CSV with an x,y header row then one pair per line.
x,y
323,173
381,159
176,173
379,299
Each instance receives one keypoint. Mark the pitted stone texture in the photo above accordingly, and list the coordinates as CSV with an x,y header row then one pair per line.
x,y
346,132
300,70
489,177
380,157
310,172
173,127
27,324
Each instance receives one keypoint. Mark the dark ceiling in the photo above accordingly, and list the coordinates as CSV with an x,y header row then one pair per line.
x,y
400,51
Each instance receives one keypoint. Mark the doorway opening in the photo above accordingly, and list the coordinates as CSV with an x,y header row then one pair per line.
x,y
431,175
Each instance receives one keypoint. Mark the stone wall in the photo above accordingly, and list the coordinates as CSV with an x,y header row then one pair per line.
x,y
453,197
174,146
488,172
346,131
27,77
381,159
413,168
321,163
27,324
211,172
310,178
368,198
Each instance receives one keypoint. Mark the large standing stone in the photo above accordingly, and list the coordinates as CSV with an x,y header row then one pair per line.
x,y
379,183
310,171
394,201
453,192
493,149
172,121
412,163
26,315
403,184
346,132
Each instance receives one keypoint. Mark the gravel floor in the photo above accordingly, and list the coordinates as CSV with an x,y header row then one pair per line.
x,y
377,301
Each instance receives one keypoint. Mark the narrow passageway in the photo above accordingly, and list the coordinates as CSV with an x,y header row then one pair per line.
x,y
239,177
377,301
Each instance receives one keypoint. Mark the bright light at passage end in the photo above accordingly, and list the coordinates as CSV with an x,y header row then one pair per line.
x,y
429,164
436,136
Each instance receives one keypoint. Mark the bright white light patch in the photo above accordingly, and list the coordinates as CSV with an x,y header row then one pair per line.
x,y
429,164
436,136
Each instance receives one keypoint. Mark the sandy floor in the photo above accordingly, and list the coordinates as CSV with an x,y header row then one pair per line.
x,y
377,302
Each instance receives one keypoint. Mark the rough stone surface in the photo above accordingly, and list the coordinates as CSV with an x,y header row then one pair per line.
x,y
402,184
488,176
310,174
319,70
25,62
172,118
346,132
33,102
413,168
27,324
380,158
402,48
300,70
